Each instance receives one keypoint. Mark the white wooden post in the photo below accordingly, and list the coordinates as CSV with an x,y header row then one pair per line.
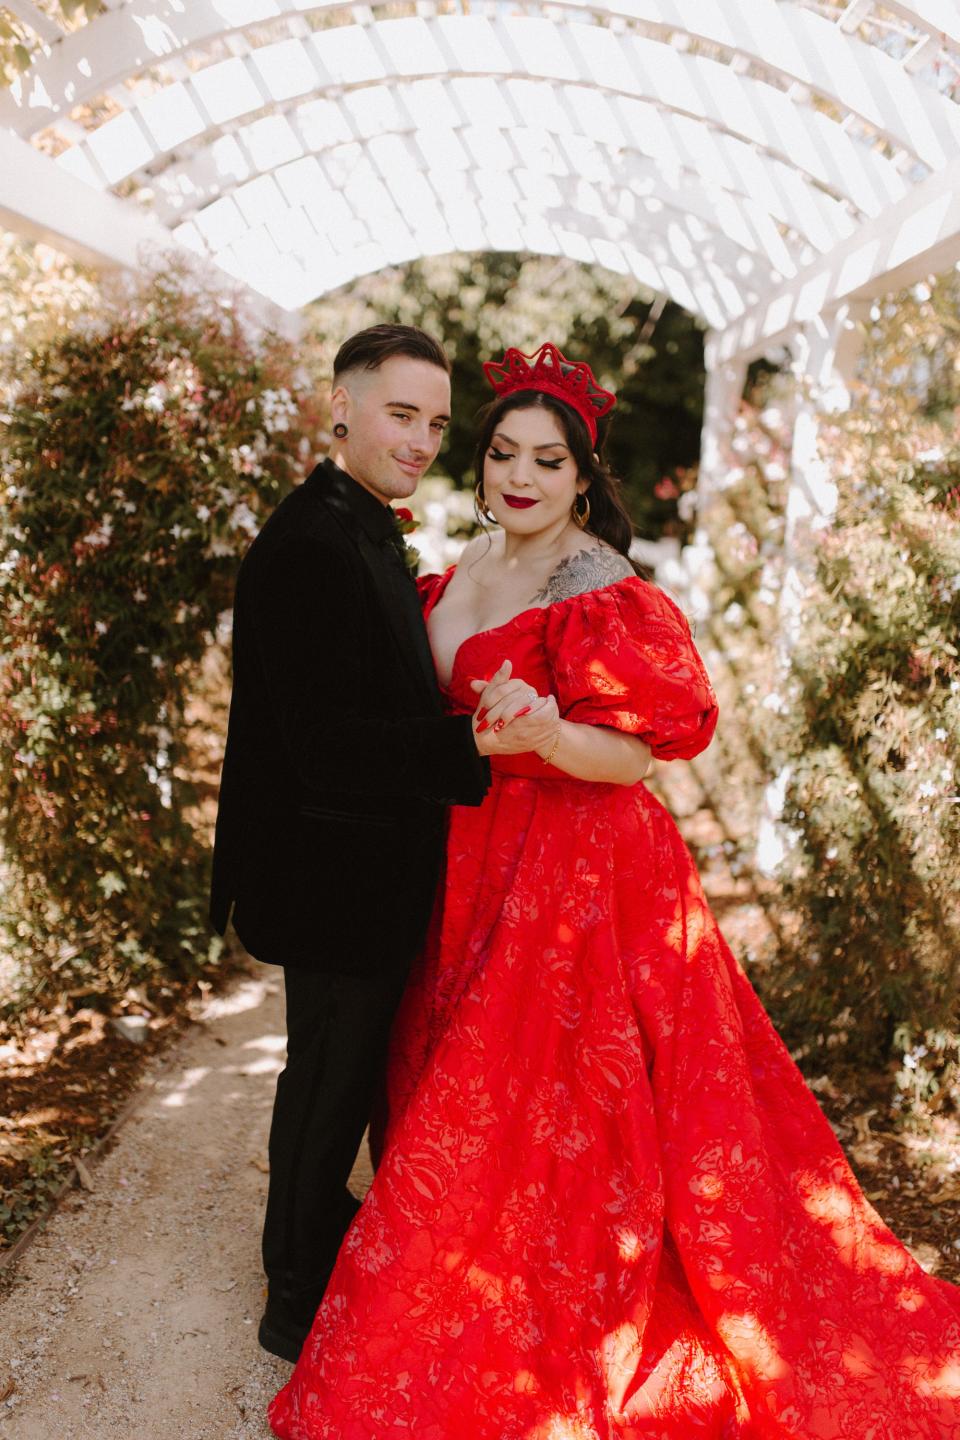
x,y
722,395
825,358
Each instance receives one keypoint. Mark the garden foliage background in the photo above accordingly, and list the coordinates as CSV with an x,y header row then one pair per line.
x,y
849,684
145,436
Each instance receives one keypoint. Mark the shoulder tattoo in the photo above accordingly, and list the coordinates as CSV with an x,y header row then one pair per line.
x,y
587,570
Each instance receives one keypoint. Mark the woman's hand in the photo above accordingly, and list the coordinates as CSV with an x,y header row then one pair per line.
x,y
511,717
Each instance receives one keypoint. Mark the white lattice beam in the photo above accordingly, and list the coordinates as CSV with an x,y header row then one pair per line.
x,y
750,173
717,186
939,18
39,201
41,25
389,53
917,237
787,40
291,281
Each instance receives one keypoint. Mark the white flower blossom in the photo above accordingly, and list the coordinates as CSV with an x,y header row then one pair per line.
x,y
156,397
243,518
101,536
687,506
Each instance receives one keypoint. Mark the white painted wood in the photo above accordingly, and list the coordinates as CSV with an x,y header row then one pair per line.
x,y
918,236
758,160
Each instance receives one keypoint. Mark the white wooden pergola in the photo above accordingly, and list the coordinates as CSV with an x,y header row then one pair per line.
x,y
770,165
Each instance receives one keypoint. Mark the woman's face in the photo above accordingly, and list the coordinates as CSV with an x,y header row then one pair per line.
x,y
529,474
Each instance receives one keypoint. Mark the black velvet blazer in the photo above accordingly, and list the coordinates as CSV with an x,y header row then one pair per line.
x,y
339,760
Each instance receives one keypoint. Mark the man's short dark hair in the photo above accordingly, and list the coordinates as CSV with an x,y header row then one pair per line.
x,y
368,349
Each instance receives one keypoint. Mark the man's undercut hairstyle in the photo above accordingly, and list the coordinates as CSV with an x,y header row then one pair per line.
x,y
368,349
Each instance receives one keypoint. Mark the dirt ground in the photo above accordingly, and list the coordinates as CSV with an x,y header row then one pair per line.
x,y
134,1311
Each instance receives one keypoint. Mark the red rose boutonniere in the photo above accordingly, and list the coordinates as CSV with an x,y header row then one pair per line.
x,y
405,525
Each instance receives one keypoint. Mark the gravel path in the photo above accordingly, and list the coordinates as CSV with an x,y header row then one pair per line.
x,y
134,1312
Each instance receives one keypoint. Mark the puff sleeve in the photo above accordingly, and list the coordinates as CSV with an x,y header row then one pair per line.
x,y
624,657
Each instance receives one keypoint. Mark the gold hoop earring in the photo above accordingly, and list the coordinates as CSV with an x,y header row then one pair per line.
x,y
480,505
581,517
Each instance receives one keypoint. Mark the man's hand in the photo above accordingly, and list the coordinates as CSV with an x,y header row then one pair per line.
x,y
511,717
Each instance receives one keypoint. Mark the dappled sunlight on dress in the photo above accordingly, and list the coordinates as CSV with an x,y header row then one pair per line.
x,y
608,1205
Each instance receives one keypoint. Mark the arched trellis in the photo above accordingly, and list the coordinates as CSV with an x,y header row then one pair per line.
x,y
766,163
801,128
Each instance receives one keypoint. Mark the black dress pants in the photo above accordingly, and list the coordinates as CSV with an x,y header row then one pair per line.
x,y
338,1027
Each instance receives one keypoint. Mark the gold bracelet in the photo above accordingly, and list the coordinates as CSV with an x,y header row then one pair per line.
x,y
553,748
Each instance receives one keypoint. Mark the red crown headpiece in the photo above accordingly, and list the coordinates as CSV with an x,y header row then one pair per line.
x,y
569,380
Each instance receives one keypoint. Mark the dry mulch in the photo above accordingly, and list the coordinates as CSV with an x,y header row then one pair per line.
x,y
65,1078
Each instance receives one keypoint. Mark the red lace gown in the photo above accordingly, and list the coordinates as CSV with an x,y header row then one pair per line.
x,y
608,1206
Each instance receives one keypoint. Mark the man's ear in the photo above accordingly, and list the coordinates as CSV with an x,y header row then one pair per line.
x,y
340,405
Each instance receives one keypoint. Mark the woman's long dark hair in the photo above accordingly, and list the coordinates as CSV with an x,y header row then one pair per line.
x,y
609,519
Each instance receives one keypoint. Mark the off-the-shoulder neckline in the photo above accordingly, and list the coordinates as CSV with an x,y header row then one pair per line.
x,y
444,579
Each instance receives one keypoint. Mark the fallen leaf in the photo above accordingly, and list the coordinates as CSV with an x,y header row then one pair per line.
x,y
7,1390
83,1174
262,1166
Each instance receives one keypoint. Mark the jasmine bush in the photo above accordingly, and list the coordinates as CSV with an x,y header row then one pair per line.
x,y
142,447
857,717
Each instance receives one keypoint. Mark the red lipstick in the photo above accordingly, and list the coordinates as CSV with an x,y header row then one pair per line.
x,y
519,504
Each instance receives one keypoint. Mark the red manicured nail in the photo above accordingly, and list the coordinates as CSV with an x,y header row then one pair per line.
x,y
482,714
499,725
525,711
482,726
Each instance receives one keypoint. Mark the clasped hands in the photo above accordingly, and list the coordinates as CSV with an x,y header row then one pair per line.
x,y
511,717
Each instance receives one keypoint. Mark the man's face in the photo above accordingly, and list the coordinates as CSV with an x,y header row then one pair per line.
x,y
395,416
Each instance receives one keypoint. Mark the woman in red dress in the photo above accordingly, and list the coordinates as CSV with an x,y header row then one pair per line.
x,y
608,1205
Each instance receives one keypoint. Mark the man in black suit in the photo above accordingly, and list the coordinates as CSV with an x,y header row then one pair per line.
x,y
338,766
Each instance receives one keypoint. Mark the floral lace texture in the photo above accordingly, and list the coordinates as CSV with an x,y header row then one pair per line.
x,y
609,1207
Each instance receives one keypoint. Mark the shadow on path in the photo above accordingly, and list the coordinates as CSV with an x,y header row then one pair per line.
x,y
134,1312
